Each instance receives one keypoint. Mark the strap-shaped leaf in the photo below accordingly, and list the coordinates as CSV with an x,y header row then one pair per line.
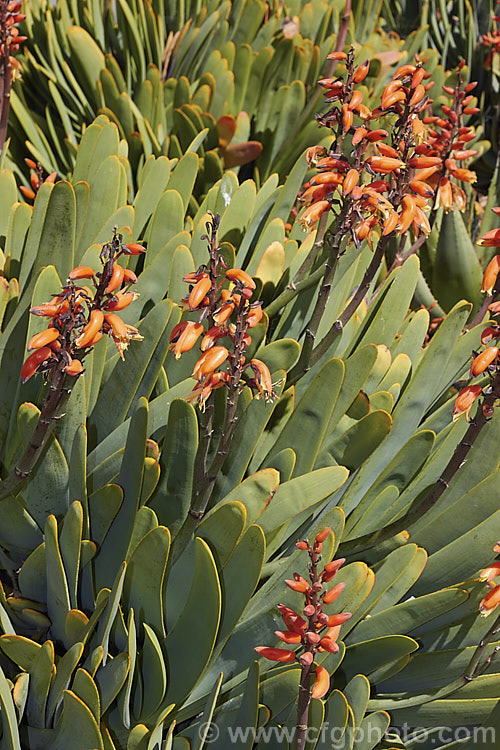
x,y
191,640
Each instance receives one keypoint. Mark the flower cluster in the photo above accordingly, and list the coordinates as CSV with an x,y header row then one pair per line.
x,y
492,599
378,187
36,179
223,298
80,316
491,41
447,138
10,38
317,631
488,360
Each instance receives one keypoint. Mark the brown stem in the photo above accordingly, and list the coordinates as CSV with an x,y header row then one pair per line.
x,y
429,501
205,477
353,305
288,294
5,80
304,698
402,257
51,412
304,362
475,668
487,301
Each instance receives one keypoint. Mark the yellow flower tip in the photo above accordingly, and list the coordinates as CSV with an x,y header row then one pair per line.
x,y
490,602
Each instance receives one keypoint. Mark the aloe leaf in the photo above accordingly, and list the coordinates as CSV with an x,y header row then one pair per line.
x,y
153,182
69,542
367,656
357,693
172,496
143,584
302,492
40,680
356,444
10,735
137,377
58,600
130,479
85,688
312,416
431,370
65,667
192,638
76,721
457,273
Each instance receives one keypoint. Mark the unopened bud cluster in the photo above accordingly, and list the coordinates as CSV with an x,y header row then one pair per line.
x,y
10,38
36,179
316,631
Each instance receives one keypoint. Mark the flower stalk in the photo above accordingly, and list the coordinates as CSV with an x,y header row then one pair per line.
x,y
78,318
314,633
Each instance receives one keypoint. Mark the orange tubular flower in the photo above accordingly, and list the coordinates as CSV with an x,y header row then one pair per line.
x,y
337,56
407,214
93,326
262,379
491,572
184,336
121,300
129,276
211,337
329,644
300,585
121,333
313,213
238,276
47,309
334,593
288,636
34,361
44,338
198,292
361,72
254,316
133,248
322,683
116,278
210,361
82,272
335,621
74,368
445,194
390,223
384,164
224,313
276,654
464,401
350,181
489,333
491,273
490,602
202,391
484,360
491,238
